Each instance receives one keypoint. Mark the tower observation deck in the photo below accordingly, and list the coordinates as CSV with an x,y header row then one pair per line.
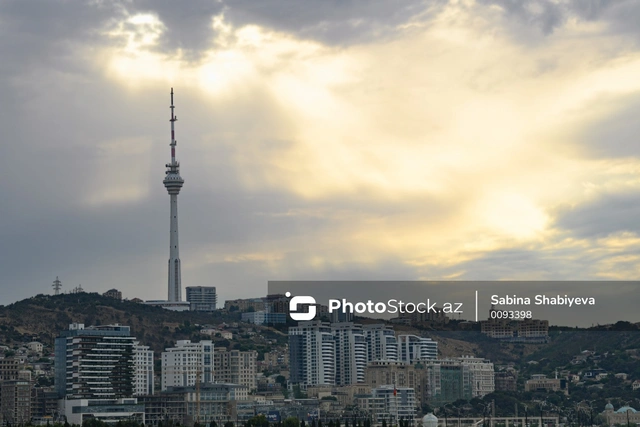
x,y
173,183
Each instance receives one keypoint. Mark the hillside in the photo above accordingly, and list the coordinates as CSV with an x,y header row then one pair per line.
x,y
44,316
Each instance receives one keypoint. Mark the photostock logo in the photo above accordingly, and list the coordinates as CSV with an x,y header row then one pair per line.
x,y
301,300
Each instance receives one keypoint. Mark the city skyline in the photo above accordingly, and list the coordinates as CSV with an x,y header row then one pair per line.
x,y
471,140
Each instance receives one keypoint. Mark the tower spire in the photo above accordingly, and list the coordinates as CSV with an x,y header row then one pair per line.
x,y
173,134
173,183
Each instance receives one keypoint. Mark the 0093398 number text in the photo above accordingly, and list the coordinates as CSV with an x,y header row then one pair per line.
x,y
510,314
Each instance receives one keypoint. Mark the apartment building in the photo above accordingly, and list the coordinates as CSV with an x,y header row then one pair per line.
x,y
483,373
15,402
144,375
412,348
95,362
350,353
202,298
381,342
187,363
236,367
312,355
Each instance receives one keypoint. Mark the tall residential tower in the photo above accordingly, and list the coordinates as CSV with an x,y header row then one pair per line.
x,y
173,183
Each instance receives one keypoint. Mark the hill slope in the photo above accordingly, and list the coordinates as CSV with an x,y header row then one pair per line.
x,y
44,316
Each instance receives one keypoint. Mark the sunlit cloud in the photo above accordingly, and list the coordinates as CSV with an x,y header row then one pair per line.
x,y
456,107
462,139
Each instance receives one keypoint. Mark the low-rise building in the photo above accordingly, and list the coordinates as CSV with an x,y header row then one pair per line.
x,y
35,347
190,405
245,305
527,330
389,402
113,293
506,381
623,416
227,335
110,411
540,382
264,318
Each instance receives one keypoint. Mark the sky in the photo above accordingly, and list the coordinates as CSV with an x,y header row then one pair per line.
x,y
318,140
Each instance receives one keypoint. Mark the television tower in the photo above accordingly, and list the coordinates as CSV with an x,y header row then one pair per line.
x,y
173,183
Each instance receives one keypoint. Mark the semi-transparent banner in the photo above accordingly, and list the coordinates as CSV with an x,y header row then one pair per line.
x,y
562,303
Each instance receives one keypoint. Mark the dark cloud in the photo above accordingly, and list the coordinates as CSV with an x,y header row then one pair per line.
x,y
335,22
47,33
607,214
188,25
615,135
622,16
546,16
524,263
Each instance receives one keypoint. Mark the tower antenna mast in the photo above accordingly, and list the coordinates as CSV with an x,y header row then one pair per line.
x,y
173,183
173,134
57,285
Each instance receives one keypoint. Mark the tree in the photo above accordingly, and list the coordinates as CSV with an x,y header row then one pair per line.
x,y
297,393
291,422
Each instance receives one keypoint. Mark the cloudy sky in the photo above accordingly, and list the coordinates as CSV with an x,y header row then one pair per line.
x,y
342,139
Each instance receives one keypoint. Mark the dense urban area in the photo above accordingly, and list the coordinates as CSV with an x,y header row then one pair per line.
x,y
89,359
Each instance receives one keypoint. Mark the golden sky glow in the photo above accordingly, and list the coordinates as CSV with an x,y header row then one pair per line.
x,y
455,113
447,141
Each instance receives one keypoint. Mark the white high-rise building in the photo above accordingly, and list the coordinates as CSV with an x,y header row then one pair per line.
x,y
312,357
412,348
187,363
350,351
483,374
143,370
381,342
173,183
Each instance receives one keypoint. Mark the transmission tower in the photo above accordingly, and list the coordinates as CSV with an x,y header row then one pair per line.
x,y
57,285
